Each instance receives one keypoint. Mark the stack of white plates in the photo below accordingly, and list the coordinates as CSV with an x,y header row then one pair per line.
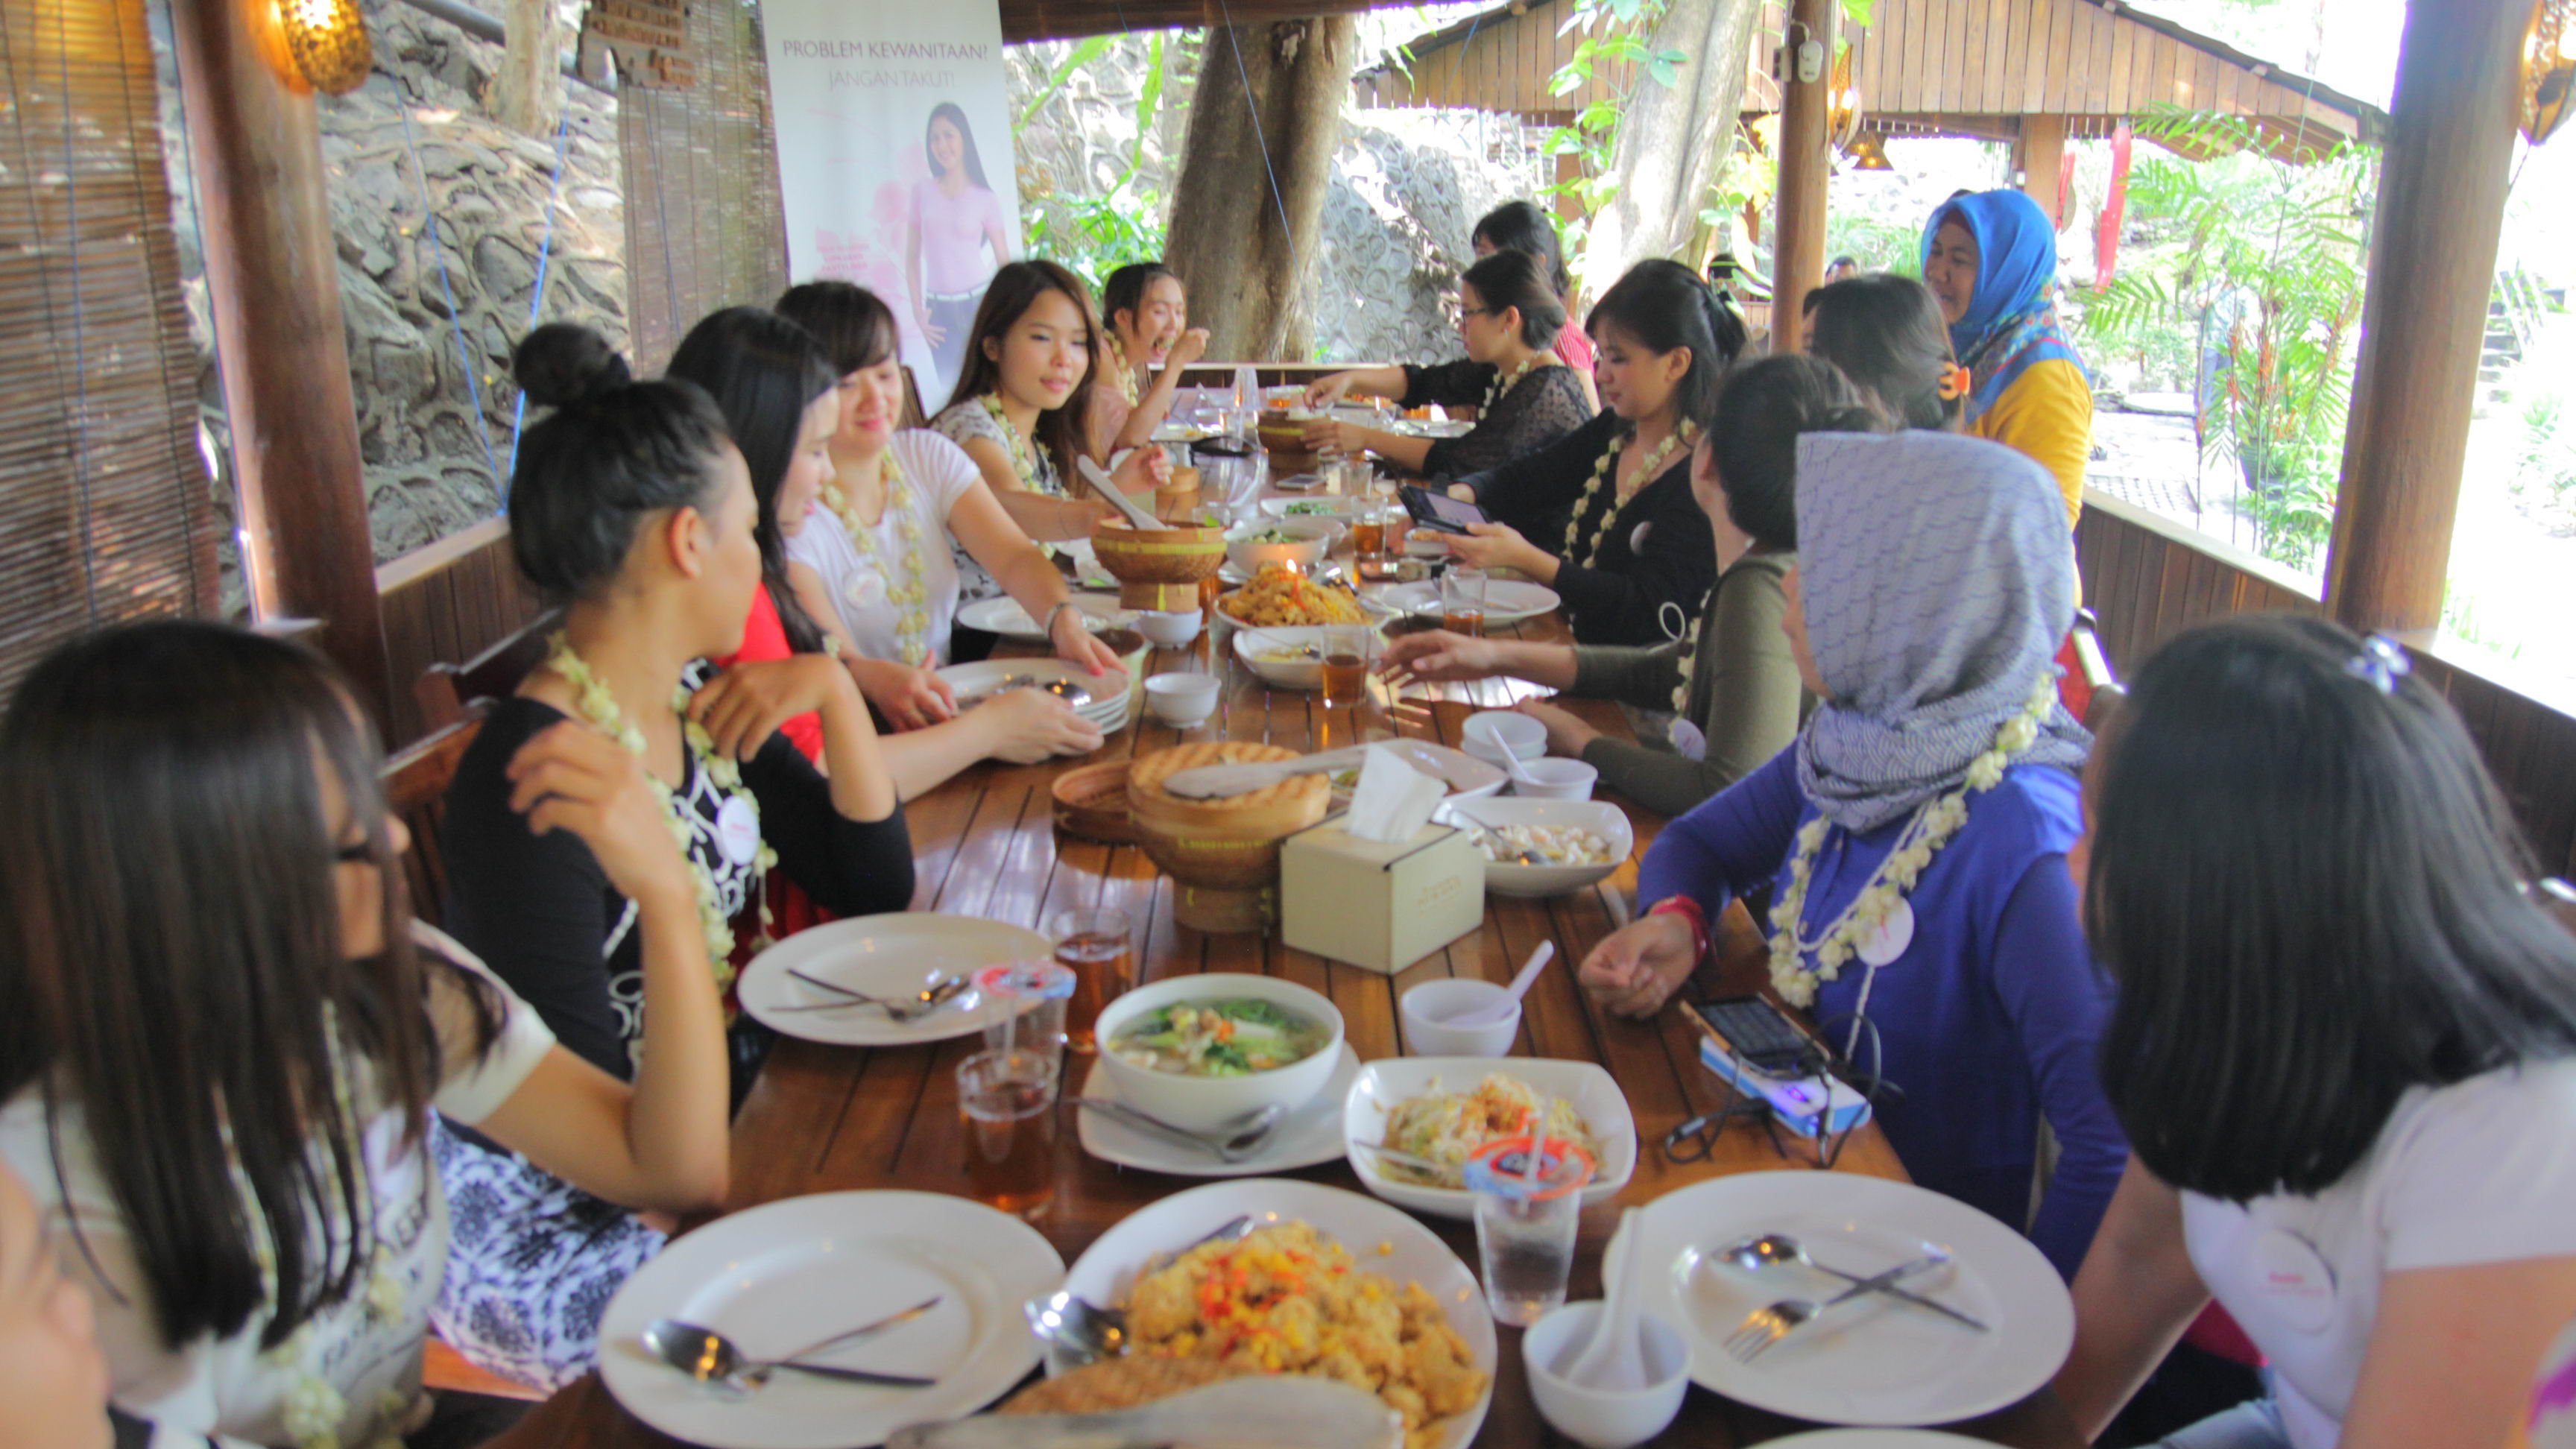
x,y
1005,617
1111,695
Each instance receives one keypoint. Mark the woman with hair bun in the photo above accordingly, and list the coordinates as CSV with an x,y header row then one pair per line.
x,y
633,508
1606,516
1525,396
1525,227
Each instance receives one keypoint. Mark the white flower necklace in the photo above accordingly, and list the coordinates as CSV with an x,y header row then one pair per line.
x,y
1930,828
1680,437
1689,661
1021,461
1496,390
598,707
1122,371
905,589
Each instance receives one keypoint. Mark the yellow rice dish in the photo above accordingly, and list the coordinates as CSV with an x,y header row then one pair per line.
x,y
1279,599
1288,1300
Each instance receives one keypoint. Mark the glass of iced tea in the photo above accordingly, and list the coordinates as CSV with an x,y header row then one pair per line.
x,y
1349,649
1099,948
1368,534
1462,601
1007,1101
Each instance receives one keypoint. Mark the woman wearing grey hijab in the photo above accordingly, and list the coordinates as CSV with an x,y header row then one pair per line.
x,y
1914,838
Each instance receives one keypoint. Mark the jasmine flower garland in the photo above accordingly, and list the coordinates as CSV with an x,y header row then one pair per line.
x,y
1021,463
1680,437
1501,386
905,589
1925,833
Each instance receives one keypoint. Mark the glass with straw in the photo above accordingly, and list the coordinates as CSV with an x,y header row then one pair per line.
x,y
1529,1200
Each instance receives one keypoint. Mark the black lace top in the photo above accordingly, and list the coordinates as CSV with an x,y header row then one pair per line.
x,y
1545,405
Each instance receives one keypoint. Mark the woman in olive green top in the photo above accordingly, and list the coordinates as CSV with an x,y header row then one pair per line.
x,y
1728,679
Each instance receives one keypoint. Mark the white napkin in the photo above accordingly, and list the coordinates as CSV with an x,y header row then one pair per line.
x,y
1392,800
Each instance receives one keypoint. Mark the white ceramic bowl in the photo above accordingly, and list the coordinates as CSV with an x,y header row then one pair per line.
x,y
1526,737
1504,878
1314,540
1382,1084
1555,780
1181,700
1199,1104
1602,1418
1170,630
1428,1008
1250,647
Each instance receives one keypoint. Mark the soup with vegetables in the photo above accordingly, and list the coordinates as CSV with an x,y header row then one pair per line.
x,y
1233,1037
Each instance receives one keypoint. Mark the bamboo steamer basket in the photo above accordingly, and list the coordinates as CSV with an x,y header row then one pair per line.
x,y
1158,569
1091,803
1222,854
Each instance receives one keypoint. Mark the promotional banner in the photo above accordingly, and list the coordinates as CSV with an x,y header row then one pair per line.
x,y
894,158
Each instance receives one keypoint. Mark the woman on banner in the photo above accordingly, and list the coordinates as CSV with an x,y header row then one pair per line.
x,y
954,216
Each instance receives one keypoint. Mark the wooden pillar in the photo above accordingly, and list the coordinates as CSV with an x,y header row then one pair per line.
x,y
2432,271
2041,154
1806,162
272,275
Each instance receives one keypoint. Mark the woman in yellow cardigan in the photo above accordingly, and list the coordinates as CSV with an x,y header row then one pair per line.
x,y
1990,259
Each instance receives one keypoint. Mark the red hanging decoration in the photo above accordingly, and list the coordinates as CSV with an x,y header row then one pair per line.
x,y
2106,235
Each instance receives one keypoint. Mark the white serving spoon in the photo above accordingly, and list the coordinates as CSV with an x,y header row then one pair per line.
x,y
1511,758
1494,1015
1615,1361
1134,511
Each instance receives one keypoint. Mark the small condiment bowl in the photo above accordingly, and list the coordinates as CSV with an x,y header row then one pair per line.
x,y
1525,736
1555,780
1428,1008
1170,630
1600,1418
1181,700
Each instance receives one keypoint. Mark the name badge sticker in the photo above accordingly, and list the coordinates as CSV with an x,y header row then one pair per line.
x,y
738,830
2295,1282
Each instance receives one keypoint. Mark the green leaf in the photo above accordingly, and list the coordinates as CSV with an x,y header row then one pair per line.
x,y
1083,53
1664,73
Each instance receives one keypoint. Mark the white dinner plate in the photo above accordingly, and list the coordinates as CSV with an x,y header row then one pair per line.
x,y
1086,564
1507,601
976,682
888,955
1873,1439
1005,617
1431,427
1312,1134
1383,1084
1878,1364
1467,777
1411,1253
785,1274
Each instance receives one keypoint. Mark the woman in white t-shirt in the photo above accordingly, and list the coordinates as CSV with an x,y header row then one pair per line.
x,y
220,1034
2344,1050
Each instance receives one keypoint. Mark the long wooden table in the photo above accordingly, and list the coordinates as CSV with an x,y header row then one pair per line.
x,y
828,1119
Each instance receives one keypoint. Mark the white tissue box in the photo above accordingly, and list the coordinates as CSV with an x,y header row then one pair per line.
x,y
1381,905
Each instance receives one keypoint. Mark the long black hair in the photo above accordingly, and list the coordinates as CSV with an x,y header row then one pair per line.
x,y
2309,891
1766,405
1124,289
1520,226
1885,332
763,372
1663,305
171,961
954,115
1514,279
853,326
612,451
1015,288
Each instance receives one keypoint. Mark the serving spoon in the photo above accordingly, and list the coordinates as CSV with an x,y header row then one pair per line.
x,y
1086,1332
711,1358
1233,1142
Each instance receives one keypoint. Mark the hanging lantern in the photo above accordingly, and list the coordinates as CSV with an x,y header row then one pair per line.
x,y
1842,104
1869,153
2548,67
328,39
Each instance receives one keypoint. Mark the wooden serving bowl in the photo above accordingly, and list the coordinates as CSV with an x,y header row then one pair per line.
x,y
1223,854
1159,568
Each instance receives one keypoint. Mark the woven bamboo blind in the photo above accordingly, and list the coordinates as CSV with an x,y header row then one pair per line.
x,y
104,508
704,227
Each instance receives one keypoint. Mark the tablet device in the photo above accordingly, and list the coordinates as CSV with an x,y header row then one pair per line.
x,y
1440,512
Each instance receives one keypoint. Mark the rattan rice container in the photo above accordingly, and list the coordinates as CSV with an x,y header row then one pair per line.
x,y
1222,854
1158,568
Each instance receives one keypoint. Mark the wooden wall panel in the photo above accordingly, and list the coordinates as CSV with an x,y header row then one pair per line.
x,y
445,604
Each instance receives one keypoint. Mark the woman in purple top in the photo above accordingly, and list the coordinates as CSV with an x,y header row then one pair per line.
x,y
954,217
1914,839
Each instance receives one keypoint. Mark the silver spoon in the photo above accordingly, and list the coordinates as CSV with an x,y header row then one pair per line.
x,y
1233,1142
1084,1331
1771,1250
711,1358
941,989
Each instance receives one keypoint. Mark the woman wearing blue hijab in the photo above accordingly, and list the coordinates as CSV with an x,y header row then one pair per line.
x,y
1990,258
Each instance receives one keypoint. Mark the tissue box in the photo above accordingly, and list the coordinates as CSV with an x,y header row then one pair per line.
x,y
1382,905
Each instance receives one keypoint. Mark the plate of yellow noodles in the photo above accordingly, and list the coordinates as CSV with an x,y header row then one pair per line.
x,y
1328,1284
1281,598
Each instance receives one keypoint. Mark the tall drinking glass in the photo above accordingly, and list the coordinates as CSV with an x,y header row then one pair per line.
x,y
1526,1215
1007,1101
1099,948
1349,649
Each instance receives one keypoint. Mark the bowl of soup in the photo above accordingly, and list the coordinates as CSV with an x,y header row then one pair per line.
x,y
1199,1051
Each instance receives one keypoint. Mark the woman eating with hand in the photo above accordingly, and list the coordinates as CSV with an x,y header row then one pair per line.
x,y
633,506
2344,1049
1990,260
222,1035
1148,344
1606,516
1525,396
1728,680
1914,839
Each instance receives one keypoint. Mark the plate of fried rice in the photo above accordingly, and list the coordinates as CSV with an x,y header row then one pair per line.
x,y
1329,1284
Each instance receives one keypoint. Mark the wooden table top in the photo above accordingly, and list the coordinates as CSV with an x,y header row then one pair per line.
x,y
831,1119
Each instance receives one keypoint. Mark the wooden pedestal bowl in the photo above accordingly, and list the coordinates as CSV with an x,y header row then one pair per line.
x,y
1223,854
1158,569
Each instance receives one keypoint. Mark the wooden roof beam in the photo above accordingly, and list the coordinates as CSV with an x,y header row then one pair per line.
x,y
1069,19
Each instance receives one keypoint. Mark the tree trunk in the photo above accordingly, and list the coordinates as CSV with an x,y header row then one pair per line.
x,y
1245,251
1672,139
527,95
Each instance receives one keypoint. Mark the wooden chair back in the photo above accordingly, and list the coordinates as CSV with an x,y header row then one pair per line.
x,y
914,414
444,690
416,781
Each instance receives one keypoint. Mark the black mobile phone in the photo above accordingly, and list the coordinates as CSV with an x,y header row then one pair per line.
x,y
1762,1034
1440,512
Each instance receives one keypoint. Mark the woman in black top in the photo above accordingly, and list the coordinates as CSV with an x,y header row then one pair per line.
x,y
1606,516
1524,395
632,505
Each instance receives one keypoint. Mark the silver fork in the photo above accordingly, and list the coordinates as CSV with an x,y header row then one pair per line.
x,y
930,998
1766,1326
